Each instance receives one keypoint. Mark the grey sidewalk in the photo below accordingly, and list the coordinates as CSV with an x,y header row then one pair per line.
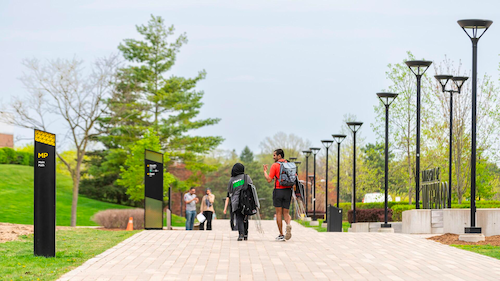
x,y
309,255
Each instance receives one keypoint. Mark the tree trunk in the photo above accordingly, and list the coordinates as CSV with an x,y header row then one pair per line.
x,y
76,185
74,202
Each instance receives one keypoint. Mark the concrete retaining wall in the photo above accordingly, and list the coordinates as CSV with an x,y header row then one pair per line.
x,y
454,221
417,221
374,227
489,220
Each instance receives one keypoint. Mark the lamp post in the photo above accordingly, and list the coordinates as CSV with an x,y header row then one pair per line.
x,y
307,153
292,159
386,99
459,81
315,151
297,163
312,179
327,144
338,139
354,126
474,25
418,67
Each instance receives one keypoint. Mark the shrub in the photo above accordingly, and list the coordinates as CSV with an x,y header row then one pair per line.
x,y
360,206
397,211
3,157
479,204
24,158
370,215
10,155
114,218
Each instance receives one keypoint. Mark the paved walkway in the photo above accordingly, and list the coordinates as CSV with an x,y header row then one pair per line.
x,y
309,255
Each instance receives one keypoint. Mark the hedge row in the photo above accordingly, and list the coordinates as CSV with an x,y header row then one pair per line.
x,y
399,207
10,156
370,215
363,206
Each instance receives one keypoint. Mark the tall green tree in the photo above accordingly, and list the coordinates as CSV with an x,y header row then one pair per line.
x,y
145,97
246,155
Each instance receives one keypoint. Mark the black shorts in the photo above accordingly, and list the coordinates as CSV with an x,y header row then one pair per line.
x,y
282,197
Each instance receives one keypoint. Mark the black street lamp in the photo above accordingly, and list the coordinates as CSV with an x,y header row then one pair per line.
x,y
307,153
315,151
312,180
338,139
327,144
474,25
354,126
292,159
459,82
418,67
387,99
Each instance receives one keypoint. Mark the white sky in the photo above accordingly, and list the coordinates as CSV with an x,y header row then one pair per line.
x,y
292,66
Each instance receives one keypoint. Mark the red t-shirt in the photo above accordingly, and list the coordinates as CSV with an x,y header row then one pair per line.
x,y
274,173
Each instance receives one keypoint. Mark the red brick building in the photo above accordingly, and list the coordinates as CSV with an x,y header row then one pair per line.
x,y
6,140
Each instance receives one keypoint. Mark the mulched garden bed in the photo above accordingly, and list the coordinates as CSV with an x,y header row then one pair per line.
x,y
450,239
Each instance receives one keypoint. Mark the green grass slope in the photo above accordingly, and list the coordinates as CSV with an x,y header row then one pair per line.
x,y
16,198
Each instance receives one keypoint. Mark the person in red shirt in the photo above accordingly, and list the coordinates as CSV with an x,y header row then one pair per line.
x,y
282,195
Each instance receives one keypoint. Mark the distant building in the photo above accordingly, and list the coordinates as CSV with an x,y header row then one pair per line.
x,y
6,133
6,140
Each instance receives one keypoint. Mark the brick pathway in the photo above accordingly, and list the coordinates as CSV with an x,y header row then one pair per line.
x,y
309,255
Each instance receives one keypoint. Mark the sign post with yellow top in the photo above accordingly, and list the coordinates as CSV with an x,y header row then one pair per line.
x,y
153,190
45,194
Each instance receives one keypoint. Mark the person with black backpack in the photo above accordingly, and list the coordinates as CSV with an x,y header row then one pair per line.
x,y
285,175
238,184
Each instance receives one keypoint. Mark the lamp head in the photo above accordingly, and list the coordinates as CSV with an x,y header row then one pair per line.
x,y
327,143
443,80
387,98
315,150
474,25
307,153
354,126
459,81
338,138
297,163
418,67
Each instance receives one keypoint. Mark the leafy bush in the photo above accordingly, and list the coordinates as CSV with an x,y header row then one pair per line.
x,y
479,204
3,157
10,155
25,158
399,207
397,211
370,215
361,206
118,218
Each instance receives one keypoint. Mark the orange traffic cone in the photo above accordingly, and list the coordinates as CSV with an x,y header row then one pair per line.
x,y
130,225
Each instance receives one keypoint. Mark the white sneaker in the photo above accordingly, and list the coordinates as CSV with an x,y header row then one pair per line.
x,y
288,234
280,238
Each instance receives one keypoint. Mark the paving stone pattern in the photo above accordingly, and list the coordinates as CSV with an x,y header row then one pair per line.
x,y
309,255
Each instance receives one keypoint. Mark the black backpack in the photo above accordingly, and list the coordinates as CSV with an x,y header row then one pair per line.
x,y
248,202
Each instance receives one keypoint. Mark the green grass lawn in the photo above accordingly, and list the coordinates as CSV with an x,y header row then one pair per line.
x,y
487,250
176,220
73,248
16,198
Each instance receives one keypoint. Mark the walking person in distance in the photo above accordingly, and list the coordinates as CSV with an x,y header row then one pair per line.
x,y
190,200
237,182
207,208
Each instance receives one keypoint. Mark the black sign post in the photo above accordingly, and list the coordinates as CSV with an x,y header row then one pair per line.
x,y
45,194
153,190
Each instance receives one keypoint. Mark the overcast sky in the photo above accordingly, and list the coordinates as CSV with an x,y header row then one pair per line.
x,y
291,66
